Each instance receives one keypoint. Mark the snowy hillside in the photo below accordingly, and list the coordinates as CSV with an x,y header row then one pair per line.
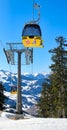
x,y
31,87
32,123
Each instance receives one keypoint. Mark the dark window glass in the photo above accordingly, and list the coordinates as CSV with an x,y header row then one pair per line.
x,y
31,31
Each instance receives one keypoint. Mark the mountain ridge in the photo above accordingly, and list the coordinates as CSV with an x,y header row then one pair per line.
x,y
31,87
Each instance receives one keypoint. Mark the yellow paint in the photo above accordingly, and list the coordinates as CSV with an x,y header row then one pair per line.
x,y
32,42
13,92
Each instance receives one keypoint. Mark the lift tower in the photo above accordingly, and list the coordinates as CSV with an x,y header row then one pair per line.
x,y
10,55
29,41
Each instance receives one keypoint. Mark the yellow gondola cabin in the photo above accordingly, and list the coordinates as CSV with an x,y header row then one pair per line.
x,y
13,90
31,36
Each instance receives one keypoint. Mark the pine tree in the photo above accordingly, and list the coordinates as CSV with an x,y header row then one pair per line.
x,y
43,104
53,100
59,77
2,97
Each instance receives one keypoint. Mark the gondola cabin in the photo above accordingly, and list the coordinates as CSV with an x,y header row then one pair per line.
x,y
13,90
31,36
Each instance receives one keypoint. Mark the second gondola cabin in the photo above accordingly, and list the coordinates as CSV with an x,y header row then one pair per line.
x,y
13,90
31,35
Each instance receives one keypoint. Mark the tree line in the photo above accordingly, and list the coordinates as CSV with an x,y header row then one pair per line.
x,y
53,99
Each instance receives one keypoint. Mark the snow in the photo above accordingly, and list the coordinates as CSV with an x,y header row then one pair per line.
x,y
31,85
32,123
29,123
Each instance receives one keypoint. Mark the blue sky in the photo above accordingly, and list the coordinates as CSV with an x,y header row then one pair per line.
x,y
53,22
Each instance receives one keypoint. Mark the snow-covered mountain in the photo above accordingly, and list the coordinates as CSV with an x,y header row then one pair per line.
x,y
31,87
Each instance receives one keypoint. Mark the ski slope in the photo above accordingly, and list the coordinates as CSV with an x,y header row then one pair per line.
x,y
32,123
